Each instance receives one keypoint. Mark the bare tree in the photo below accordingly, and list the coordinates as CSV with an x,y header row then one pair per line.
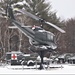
x,y
70,35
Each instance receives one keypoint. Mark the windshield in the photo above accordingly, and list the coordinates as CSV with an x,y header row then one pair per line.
x,y
50,37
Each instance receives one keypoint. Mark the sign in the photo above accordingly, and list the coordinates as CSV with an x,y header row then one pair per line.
x,y
14,56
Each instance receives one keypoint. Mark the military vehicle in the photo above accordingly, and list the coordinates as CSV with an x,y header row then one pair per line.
x,y
19,58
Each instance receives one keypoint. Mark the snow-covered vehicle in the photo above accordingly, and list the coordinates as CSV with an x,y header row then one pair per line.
x,y
18,58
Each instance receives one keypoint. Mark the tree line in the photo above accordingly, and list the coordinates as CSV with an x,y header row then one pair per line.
x,y
14,40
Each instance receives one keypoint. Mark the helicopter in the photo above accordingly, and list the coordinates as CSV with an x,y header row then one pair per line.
x,y
40,39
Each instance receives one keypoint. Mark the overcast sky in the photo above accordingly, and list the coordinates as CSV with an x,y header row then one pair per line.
x,y
65,8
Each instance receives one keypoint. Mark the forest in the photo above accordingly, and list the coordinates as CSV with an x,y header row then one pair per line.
x,y
14,40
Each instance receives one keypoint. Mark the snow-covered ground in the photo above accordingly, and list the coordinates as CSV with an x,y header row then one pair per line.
x,y
64,69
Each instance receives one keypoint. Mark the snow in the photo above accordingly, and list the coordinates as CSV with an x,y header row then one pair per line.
x,y
65,69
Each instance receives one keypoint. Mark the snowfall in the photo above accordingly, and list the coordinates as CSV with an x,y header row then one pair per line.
x,y
52,69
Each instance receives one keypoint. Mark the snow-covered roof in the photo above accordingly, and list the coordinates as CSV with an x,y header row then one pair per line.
x,y
14,52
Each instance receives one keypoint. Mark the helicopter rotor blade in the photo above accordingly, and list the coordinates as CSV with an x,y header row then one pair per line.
x,y
28,14
41,20
56,27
